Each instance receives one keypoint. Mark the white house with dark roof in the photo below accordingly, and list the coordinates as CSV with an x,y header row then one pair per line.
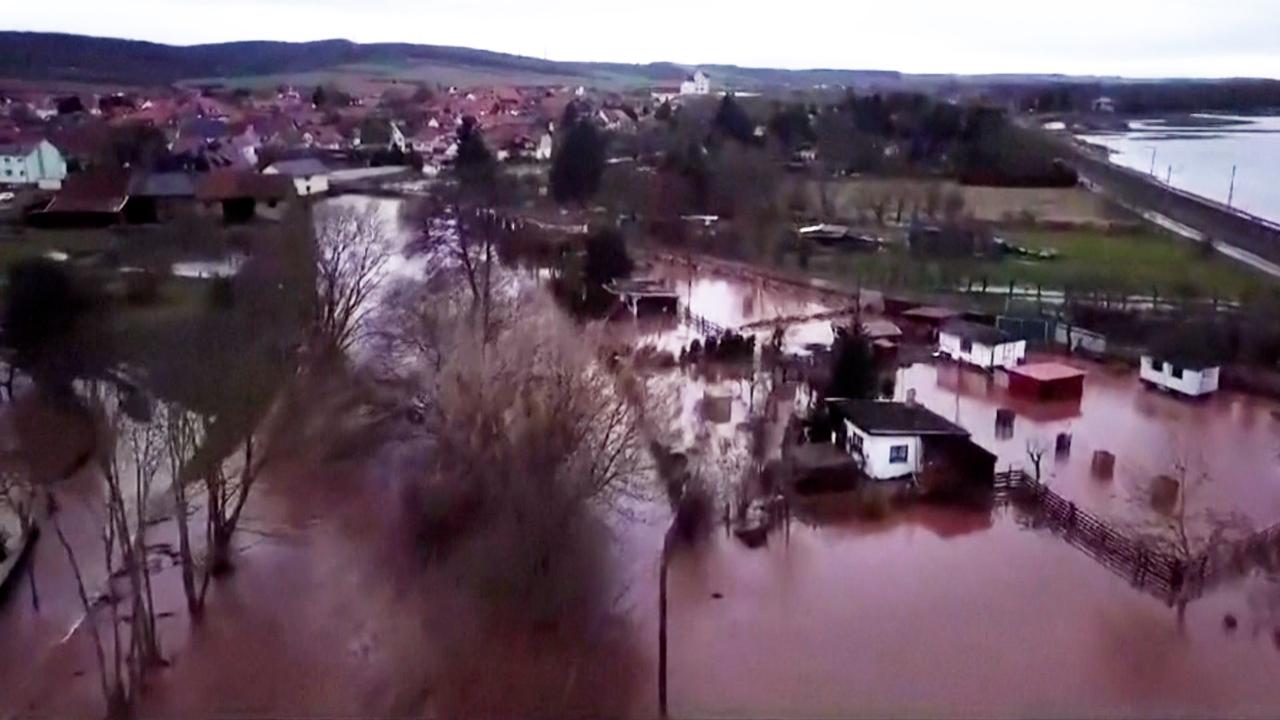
x,y
33,162
891,440
1184,375
983,346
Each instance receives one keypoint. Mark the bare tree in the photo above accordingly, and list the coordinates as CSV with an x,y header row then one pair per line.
x,y
184,432
1183,524
529,435
460,239
352,246
1036,448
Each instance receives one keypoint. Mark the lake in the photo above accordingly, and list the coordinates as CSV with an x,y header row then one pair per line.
x,y
1198,155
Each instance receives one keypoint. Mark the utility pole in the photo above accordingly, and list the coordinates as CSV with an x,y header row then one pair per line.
x,y
1231,193
1168,178
1153,161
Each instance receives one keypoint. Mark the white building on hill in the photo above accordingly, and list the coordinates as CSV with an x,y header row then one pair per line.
x,y
699,83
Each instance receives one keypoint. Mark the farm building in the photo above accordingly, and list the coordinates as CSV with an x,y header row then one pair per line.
x,y
1185,375
891,440
1046,381
980,345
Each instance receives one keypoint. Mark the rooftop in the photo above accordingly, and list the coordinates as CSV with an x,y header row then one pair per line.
x,y
886,417
928,312
985,334
1047,371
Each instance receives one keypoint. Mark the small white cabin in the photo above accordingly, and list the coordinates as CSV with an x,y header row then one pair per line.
x,y
980,345
1182,376
891,440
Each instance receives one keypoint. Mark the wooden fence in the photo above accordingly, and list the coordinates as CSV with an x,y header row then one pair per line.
x,y
1146,568
704,326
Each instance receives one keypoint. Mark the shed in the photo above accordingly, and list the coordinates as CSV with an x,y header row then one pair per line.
x,y
983,346
1187,374
890,440
1047,381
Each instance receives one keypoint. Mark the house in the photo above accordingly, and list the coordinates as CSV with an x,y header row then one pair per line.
x,y
309,175
241,195
699,83
899,440
1185,374
546,144
32,162
980,345
1047,381
1103,104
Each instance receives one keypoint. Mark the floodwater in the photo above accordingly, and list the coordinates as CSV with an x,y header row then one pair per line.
x,y
946,612
930,612
1199,158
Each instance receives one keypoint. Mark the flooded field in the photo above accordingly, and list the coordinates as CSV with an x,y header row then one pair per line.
x,y
947,612
931,611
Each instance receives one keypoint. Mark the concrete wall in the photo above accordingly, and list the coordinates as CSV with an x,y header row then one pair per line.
x,y
1186,381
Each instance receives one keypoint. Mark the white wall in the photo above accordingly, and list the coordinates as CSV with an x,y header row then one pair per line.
x,y
43,164
1189,382
876,452
1005,355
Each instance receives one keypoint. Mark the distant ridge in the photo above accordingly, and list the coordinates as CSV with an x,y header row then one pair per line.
x,y
81,58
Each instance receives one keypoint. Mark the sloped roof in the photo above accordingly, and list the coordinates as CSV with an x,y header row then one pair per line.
x,y
885,417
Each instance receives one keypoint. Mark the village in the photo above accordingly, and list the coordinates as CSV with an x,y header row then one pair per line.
x,y
858,364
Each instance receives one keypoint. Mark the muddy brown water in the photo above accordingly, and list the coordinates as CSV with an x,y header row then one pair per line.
x,y
932,611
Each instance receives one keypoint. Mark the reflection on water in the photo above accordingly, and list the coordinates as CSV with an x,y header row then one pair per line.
x,y
1202,158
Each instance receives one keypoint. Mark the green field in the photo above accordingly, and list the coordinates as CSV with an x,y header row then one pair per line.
x,y
1134,263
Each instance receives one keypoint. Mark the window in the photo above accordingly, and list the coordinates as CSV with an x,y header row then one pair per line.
x,y
898,454
1175,372
966,345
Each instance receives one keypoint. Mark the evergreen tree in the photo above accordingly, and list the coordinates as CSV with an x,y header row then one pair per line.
x,y
579,163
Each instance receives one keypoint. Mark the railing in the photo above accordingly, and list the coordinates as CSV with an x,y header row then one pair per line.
x,y
704,326
1144,567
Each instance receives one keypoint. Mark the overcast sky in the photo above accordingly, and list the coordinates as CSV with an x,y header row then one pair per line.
x,y
1139,38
